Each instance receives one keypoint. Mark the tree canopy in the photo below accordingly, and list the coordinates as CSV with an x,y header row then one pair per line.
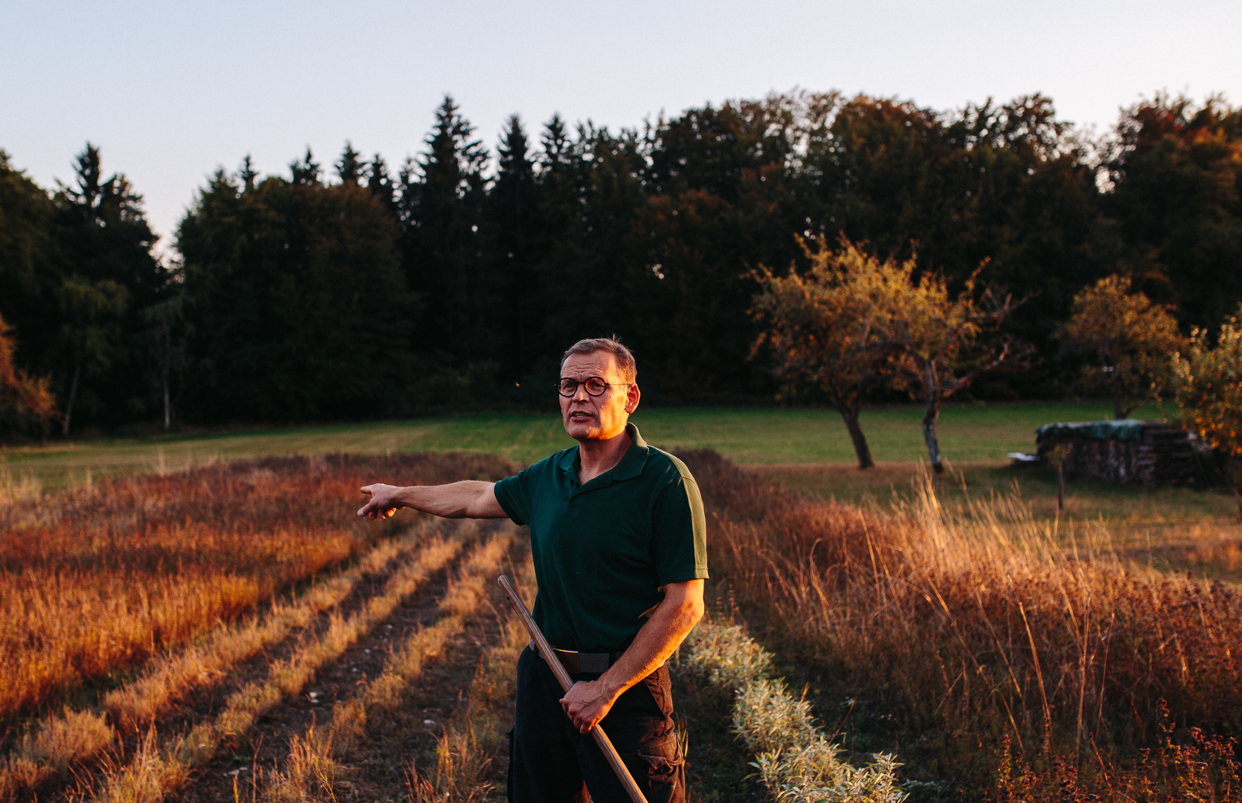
x,y
456,279
1130,340
832,328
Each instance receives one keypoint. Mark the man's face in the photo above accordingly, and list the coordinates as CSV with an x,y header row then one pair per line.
x,y
588,417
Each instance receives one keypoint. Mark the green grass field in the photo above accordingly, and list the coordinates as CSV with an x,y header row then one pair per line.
x,y
808,449
752,436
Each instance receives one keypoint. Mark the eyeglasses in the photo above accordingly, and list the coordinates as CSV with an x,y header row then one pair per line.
x,y
595,386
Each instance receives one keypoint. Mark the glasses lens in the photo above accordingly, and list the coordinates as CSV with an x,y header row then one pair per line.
x,y
568,387
596,386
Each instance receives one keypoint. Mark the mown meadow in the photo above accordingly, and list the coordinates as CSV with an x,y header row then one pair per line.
x,y
751,436
225,628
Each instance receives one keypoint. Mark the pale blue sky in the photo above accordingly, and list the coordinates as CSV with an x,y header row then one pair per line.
x,y
170,90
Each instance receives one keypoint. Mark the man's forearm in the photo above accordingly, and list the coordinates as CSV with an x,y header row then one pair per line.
x,y
454,501
467,499
588,702
655,643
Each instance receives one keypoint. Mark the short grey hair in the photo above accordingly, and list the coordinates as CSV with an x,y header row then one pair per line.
x,y
625,360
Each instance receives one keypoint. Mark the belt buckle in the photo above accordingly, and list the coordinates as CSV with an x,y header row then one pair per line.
x,y
569,660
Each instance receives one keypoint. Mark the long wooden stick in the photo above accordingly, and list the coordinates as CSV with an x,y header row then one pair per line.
x,y
562,677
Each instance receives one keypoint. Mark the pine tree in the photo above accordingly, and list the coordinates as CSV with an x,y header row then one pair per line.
x,y
109,276
350,167
247,174
442,203
380,183
305,170
511,228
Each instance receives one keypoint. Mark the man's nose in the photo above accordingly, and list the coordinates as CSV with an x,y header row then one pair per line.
x,y
580,393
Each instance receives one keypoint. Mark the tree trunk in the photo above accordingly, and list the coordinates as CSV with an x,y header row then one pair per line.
x,y
73,394
167,405
931,384
850,414
1119,411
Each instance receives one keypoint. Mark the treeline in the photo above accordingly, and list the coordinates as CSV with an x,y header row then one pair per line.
x,y
456,279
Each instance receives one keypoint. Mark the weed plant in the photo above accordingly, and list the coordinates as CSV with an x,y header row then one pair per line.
x,y
980,636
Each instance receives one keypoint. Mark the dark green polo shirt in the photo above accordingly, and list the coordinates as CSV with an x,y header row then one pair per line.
x,y
603,550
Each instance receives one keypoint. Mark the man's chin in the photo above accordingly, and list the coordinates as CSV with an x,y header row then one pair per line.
x,y
583,432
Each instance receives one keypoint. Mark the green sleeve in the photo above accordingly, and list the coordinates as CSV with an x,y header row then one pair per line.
x,y
511,493
680,529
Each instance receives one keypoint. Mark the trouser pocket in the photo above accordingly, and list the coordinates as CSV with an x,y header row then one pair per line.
x,y
665,768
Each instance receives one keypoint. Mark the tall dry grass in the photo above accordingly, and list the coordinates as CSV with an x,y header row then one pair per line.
x,y
962,631
97,579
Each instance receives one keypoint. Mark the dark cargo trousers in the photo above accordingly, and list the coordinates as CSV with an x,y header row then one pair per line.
x,y
549,760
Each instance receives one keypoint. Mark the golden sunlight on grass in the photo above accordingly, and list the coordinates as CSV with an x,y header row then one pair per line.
x,y
99,579
979,624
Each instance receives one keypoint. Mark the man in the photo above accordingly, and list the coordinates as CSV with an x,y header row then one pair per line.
x,y
618,538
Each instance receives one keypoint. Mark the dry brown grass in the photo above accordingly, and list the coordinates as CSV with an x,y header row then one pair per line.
x,y
959,630
474,737
309,771
159,767
100,578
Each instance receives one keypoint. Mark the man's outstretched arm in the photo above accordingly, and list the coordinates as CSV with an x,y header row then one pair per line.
x,y
587,702
469,499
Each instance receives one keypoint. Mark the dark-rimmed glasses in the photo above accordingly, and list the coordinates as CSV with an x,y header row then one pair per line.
x,y
595,386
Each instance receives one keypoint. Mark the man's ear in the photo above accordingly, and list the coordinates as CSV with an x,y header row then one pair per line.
x,y
632,397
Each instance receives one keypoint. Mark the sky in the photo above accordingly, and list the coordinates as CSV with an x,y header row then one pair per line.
x,y
170,91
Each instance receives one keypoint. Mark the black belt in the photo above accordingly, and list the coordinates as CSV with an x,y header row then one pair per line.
x,y
584,663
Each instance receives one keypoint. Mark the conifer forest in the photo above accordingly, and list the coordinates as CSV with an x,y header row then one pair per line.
x,y
352,287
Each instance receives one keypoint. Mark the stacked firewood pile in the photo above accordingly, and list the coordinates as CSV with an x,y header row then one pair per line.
x,y
1129,451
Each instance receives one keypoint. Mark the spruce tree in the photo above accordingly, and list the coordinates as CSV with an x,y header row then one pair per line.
x,y
442,203
108,276
380,183
511,229
350,167
305,170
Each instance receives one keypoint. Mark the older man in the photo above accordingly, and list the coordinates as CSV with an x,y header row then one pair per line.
x,y
618,538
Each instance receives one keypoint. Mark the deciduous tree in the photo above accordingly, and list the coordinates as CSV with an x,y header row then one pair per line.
x,y
1176,173
299,308
1130,339
29,264
26,403
941,343
1209,393
833,327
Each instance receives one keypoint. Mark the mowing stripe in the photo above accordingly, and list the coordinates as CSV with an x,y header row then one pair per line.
x,y
156,770
78,735
475,735
311,764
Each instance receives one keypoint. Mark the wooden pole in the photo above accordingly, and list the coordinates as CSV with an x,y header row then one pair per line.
x,y
562,677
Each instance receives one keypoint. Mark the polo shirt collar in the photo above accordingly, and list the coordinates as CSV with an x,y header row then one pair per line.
x,y
631,464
